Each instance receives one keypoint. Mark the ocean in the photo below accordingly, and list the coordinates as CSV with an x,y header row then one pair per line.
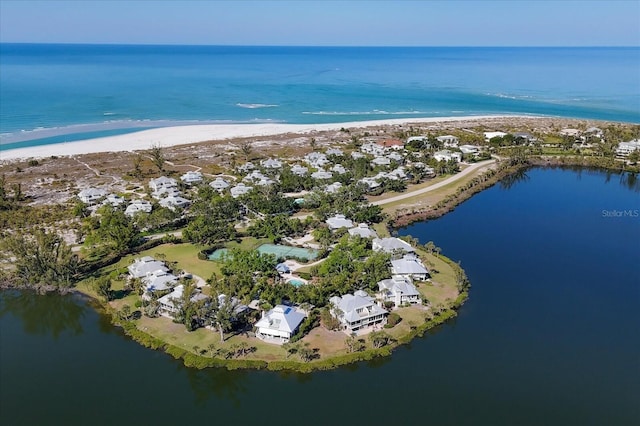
x,y
51,93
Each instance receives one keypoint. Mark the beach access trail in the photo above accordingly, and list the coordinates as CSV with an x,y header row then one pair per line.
x,y
438,185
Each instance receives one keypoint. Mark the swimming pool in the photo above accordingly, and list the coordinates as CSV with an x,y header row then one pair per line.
x,y
296,283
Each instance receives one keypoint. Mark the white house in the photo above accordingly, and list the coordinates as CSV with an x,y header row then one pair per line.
x,y
395,156
169,302
316,159
410,266
279,324
448,140
398,173
138,206
172,202
372,148
381,161
271,163
339,168
299,170
363,231
370,182
469,149
159,281
114,200
240,190
339,221
145,265
490,135
219,184
163,185
322,175
333,188
356,155
91,195
246,167
446,155
191,177
357,310
399,290
624,149
335,151
391,245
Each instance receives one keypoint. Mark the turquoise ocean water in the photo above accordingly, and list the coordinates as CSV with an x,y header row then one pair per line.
x,y
55,93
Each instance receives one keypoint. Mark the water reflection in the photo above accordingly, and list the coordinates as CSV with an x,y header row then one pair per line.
x,y
519,176
217,382
49,314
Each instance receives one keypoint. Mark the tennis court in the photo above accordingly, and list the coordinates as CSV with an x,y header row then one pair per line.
x,y
288,252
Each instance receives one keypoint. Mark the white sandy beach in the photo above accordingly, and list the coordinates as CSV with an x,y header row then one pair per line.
x,y
181,135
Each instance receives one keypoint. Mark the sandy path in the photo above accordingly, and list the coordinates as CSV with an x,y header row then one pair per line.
x,y
445,182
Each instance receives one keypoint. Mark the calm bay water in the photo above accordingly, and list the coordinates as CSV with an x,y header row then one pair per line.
x,y
56,93
550,335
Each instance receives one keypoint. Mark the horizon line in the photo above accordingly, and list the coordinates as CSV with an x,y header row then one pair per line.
x,y
310,45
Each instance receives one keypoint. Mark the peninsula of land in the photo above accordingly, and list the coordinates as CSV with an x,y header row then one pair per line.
x,y
272,246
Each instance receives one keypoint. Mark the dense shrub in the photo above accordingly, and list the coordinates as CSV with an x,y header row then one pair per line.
x,y
392,320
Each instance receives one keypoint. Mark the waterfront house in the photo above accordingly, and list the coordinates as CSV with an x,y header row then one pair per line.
x,y
356,311
138,206
624,149
339,221
409,266
391,245
143,266
91,195
169,303
363,231
399,290
191,177
158,280
219,184
279,324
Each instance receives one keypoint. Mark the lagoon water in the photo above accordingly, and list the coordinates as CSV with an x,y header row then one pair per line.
x,y
550,335
55,93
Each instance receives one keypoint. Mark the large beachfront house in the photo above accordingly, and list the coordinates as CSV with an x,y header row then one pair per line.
x,y
357,310
409,266
279,324
624,149
391,245
399,290
145,265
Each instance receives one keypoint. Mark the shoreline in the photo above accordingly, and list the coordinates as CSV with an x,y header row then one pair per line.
x,y
191,134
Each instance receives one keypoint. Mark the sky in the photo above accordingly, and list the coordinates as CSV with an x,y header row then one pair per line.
x,y
324,23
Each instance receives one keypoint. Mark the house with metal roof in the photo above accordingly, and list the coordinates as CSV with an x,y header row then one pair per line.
x,y
219,184
138,206
191,177
172,202
279,324
409,266
240,190
143,266
391,245
339,221
358,310
363,231
399,290
448,140
91,195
